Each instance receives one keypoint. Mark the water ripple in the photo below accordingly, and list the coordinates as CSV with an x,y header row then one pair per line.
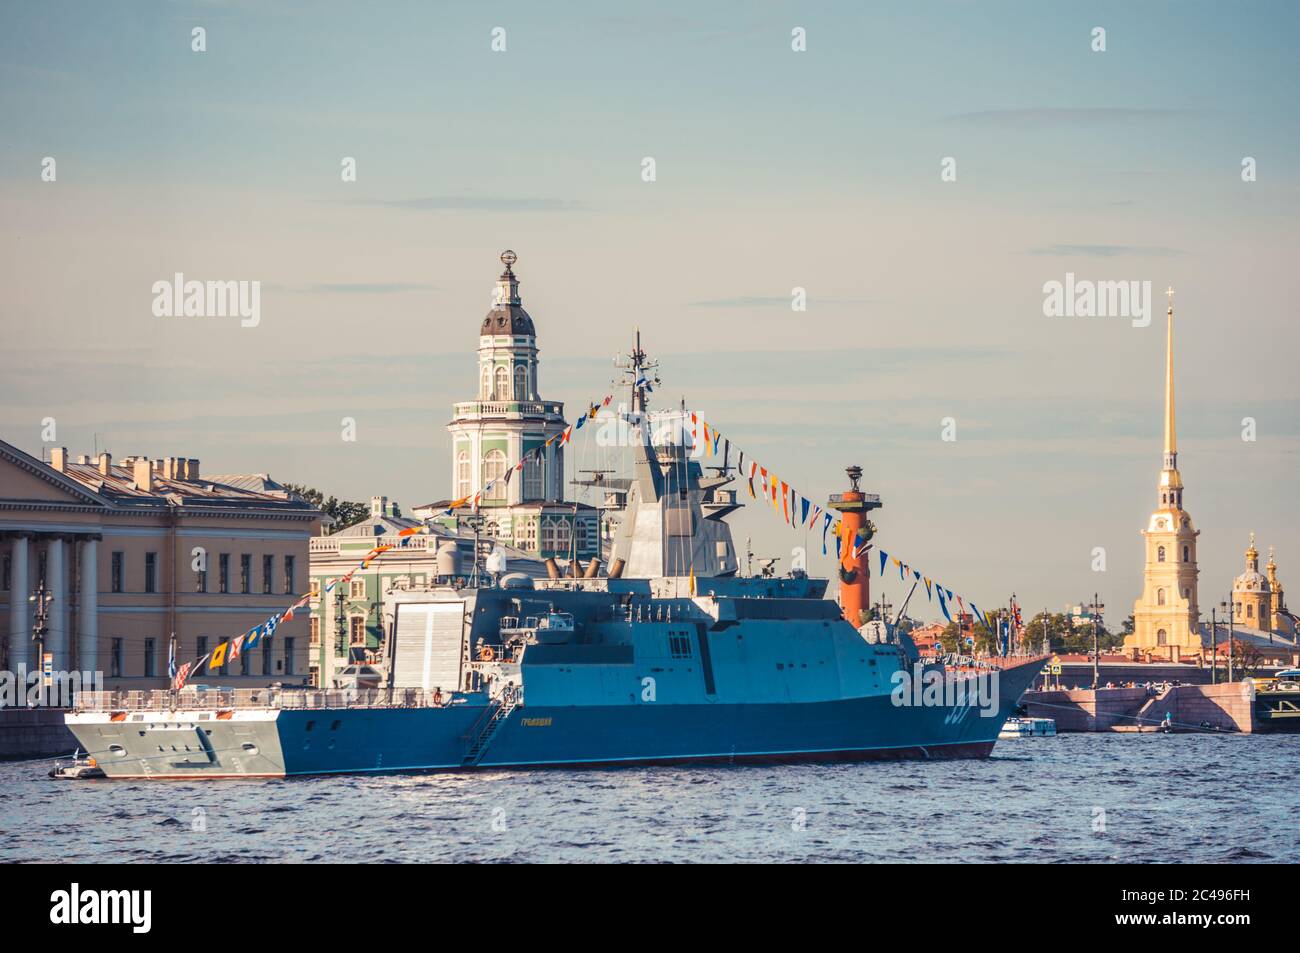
x,y
1075,798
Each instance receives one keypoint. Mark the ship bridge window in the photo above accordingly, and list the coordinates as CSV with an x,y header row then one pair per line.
x,y
679,645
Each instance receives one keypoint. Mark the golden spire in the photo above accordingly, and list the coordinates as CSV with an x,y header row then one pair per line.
x,y
1171,437
1252,555
1171,484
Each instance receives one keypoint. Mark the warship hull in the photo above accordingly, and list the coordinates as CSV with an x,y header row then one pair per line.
x,y
269,742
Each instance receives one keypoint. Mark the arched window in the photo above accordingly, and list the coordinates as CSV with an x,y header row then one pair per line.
x,y
1162,637
1160,597
555,537
494,465
1187,554
1160,555
485,388
462,474
503,385
1250,611
521,383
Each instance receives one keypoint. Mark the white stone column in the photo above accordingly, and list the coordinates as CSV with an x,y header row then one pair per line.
x,y
88,607
56,636
20,630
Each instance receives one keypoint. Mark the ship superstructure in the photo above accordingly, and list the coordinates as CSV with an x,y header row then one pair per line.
x,y
672,656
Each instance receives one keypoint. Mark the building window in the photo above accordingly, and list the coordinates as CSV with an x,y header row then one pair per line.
x,y
201,647
4,583
502,384
1160,555
289,586
268,575
149,660
587,541
223,572
486,389
245,664
201,577
288,656
1250,611
357,630
118,583
315,630
150,572
315,588
115,659
1162,637
266,655
526,535
462,474
555,536
534,474
357,589
1160,597
521,382
1187,554
246,573
494,465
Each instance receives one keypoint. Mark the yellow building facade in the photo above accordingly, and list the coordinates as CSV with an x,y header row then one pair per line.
x,y
1258,599
140,555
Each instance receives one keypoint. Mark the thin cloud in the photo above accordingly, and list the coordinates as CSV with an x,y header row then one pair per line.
x,y
759,301
1107,251
469,203
362,288
1064,116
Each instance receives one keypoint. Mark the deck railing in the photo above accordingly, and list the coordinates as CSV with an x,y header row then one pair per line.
x,y
281,698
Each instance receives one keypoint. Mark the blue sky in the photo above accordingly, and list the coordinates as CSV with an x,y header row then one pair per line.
x,y
775,169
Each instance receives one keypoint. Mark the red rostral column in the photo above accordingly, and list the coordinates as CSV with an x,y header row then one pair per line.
x,y
856,531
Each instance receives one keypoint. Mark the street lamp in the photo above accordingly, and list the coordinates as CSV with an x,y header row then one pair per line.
x,y
1214,645
476,523
1097,607
41,599
1230,607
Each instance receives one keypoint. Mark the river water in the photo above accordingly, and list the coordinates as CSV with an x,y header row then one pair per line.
x,y
1074,798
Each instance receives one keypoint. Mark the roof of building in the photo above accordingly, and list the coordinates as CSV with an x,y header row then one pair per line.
x,y
379,526
439,507
507,319
1256,638
256,482
1251,581
119,487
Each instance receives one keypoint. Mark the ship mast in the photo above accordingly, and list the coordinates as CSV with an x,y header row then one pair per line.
x,y
637,371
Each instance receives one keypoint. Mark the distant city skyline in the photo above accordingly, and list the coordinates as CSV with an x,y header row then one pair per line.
x,y
775,170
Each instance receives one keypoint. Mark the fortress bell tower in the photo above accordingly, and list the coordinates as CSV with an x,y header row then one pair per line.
x,y
1166,616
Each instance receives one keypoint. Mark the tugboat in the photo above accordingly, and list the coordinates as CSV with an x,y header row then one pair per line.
x,y
671,657
81,768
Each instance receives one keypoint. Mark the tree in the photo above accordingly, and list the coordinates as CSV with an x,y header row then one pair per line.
x,y
950,638
344,512
1063,636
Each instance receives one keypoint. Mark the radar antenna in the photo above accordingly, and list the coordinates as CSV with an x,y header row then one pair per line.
x,y
639,375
